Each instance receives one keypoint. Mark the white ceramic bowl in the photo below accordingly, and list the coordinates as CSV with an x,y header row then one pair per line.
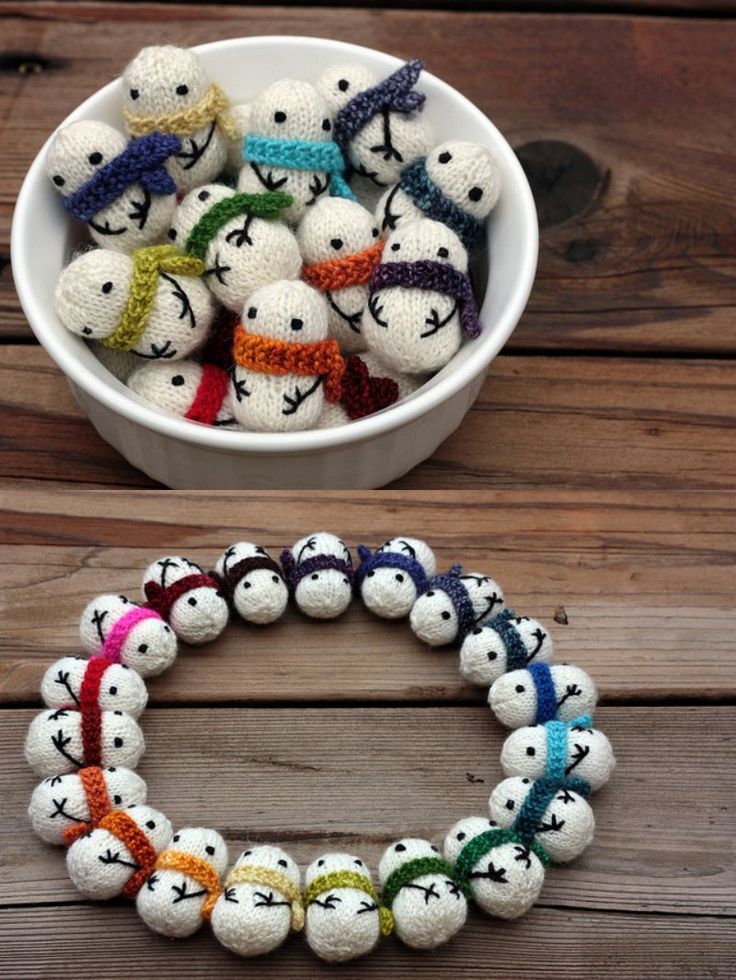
x,y
364,454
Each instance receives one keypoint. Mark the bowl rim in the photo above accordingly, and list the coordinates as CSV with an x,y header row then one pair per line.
x,y
427,398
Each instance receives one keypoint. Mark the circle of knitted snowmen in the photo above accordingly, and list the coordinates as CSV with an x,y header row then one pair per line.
x,y
331,190
87,742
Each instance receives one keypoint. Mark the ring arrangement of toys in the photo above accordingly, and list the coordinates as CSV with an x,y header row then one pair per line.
x,y
296,262
88,741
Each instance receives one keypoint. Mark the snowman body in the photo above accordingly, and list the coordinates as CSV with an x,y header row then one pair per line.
x,y
61,803
70,680
504,643
58,741
194,603
319,572
164,81
453,605
541,693
253,580
391,580
187,389
137,216
261,902
185,884
559,750
427,901
114,626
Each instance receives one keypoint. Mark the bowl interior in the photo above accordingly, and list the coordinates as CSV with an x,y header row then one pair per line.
x,y
43,238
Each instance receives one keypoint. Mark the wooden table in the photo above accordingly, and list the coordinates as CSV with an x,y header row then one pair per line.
x,y
622,372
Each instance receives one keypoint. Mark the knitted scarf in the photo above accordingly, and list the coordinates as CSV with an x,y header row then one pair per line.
x,y
142,161
300,155
112,647
121,825
394,93
188,120
349,879
257,874
162,598
232,577
364,394
293,573
449,582
416,182
516,655
267,205
148,262
480,845
211,392
198,869
557,733
280,357
352,270
390,559
406,873
433,276
93,783
539,797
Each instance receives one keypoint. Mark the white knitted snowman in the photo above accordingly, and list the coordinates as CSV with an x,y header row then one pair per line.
x,y
453,605
344,919
319,573
505,879
287,110
150,302
192,602
261,902
506,642
338,240
284,365
78,164
165,88
119,854
240,250
115,627
253,581
421,889
420,299
394,575
566,825
542,693
58,741
379,124
62,803
199,392
185,884
458,183
73,678
577,750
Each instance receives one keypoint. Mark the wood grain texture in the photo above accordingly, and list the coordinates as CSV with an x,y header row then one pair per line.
x,y
637,255
355,779
563,421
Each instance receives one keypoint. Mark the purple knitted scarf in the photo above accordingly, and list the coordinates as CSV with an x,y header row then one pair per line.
x,y
141,161
434,276
394,92
449,582
390,559
293,573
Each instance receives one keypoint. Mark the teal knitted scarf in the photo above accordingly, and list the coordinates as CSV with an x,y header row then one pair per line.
x,y
300,155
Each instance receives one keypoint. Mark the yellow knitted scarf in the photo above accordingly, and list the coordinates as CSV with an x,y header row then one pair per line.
x,y
186,121
256,874
350,879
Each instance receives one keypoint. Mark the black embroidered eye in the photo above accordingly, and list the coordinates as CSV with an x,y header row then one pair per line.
x,y
475,193
279,117
444,157
359,862
435,849
296,323
113,690
192,601
167,629
150,824
375,232
172,234
336,242
177,838
442,252
119,713
275,578
461,836
134,93
118,743
446,614
399,577
343,84
400,847
246,853
252,311
430,593
531,750
203,195
320,863
326,125
282,863
526,781
59,180
314,576
509,804
492,654
107,287
142,648
519,688
86,331
95,158
117,800
210,850
477,630
395,247
177,381
182,89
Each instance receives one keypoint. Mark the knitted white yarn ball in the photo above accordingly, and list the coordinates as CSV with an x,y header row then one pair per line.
x,y
465,173
260,595
200,614
171,901
240,118
484,655
60,802
513,697
289,110
430,908
54,742
92,292
589,754
149,646
341,923
163,80
121,688
137,217
324,593
244,254
173,388
507,880
336,228
391,592
567,824
434,618
389,141
250,917
291,312
99,864
120,363
414,330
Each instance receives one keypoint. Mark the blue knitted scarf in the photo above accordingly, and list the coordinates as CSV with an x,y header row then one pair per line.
x,y
300,155
557,733
449,582
539,797
516,653
416,182
394,93
390,559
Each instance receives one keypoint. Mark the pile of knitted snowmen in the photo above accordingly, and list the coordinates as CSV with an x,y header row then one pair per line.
x,y
296,262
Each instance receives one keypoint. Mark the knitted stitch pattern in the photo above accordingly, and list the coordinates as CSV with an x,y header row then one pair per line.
x,y
279,357
235,573
211,393
127,831
395,92
557,733
540,796
546,697
450,583
258,875
349,879
516,656
98,801
300,155
390,559
416,182
434,276
352,270
267,205
363,394
112,646
293,573
141,162
212,105
90,709
201,871
161,599
412,870
478,846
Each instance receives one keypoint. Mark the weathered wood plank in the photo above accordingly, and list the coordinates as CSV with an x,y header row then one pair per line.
x,y
356,779
636,255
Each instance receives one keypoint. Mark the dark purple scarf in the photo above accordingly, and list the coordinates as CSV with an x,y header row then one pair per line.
x,y
394,92
434,276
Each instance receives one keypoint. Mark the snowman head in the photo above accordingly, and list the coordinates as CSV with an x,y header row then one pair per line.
x,y
461,833
335,228
147,644
163,79
423,239
200,613
195,204
404,850
79,150
174,387
291,109
520,696
506,642
270,857
338,84
289,311
202,843
334,861
92,293
259,592
467,174
391,579
412,548
507,798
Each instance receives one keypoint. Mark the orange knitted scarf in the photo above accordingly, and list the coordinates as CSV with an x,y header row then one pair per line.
x,y
202,872
98,803
121,825
353,270
281,357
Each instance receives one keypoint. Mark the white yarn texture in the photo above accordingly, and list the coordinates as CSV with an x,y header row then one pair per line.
x,y
513,697
121,688
54,741
200,614
434,617
260,595
150,645
484,653
391,592
342,923
325,593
